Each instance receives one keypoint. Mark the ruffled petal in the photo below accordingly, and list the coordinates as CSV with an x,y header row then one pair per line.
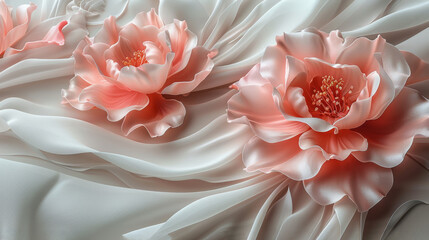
x,y
109,33
391,135
254,105
361,108
54,36
364,183
334,146
285,157
71,95
377,55
418,67
148,19
360,52
136,36
299,45
86,66
198,67
157,117
148,78
22,20
182,41
115,101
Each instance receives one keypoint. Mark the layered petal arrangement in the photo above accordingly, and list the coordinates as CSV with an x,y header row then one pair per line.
x,y
332,112
327,135
133,72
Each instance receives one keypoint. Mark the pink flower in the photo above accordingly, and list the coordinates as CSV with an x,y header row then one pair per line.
x,y
129,71
330,111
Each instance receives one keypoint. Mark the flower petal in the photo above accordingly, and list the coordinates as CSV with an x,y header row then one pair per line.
x,y
285,157
54,36
71,95
361,108
148,18
22,20
391,135
109,33
86,66
182,41
198,67
115,101
298,45
148,78
157,117
364,183
360,52
334,146
136,36
419,78
254,105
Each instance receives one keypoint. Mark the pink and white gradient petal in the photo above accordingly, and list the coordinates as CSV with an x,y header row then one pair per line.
x,y
159,115
391,135
364,183
285,157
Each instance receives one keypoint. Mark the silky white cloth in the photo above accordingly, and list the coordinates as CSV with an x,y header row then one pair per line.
x,y
67,174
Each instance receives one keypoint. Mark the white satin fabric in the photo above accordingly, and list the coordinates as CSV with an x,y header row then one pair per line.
x,y
67,174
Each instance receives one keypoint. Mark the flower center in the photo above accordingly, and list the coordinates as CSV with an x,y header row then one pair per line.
x,y
330,99
138,59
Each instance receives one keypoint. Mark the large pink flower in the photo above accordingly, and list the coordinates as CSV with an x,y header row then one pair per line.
x,y
330,111
129,71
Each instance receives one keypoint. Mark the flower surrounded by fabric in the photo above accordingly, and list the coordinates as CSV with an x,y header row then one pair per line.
x,y
335,113
133,72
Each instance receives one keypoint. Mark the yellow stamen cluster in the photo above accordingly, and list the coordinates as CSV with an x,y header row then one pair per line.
x,y
138,58
330,99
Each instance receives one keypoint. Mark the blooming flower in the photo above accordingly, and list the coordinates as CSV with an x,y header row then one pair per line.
x,y
330,111
128,72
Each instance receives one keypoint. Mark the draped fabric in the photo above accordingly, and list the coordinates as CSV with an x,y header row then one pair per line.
x,y
69,174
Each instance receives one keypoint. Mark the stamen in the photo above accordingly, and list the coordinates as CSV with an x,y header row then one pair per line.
x,y
329,100
138,59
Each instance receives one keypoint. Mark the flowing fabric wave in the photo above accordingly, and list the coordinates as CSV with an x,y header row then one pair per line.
x,y
67,174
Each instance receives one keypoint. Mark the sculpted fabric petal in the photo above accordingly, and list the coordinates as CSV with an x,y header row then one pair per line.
x,y
299,45
158,116
54,36
182,41
149,18
418,67
364,183
377,55
254,104
109,33
136,37
71,95
148,78
406,117
21,21
85,66
337,146
115,101
361,108
285,157
73,33
198,67
360,52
